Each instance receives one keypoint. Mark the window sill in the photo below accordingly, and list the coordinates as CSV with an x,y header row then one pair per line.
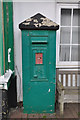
x,y
68,64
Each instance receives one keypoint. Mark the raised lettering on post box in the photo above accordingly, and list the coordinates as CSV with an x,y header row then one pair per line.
x,y
39,58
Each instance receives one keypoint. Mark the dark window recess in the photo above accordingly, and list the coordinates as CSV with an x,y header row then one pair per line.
x,y
39,42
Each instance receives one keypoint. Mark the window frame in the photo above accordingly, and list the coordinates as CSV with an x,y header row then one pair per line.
x,y
64,64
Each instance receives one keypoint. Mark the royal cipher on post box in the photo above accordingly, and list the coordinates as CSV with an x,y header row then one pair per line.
x,y
38,64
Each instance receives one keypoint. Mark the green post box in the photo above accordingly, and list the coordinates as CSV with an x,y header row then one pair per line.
x,y
38,64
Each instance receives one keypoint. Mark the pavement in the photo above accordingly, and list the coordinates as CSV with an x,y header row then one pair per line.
x,y
70,111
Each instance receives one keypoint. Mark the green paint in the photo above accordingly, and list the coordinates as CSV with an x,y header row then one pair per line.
x,y
38,79
79,114
1,42
39,71
44,116
8,34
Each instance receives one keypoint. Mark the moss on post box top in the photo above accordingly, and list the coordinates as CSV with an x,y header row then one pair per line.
x,y
38,22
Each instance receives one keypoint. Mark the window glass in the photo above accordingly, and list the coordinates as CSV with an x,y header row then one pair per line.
x,y
64,52
76,16
65,35
78,35
75,35
65,17
75,53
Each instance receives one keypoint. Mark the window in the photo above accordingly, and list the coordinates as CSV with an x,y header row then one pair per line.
x,y
68,42
68,48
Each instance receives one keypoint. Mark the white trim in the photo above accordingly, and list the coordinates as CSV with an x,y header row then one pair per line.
x,y
71,33
70,44
69,69
58,32
67,64
61,5
67,1
70,26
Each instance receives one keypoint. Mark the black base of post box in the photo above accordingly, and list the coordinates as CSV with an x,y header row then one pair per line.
x,y
0,104
5,109
12,92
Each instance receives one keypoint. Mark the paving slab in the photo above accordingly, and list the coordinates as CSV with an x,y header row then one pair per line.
x,y
70,111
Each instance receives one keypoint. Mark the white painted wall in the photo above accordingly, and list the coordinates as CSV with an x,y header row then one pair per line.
x,y
22,11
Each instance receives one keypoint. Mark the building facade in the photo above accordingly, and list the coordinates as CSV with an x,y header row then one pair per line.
x,y
66,13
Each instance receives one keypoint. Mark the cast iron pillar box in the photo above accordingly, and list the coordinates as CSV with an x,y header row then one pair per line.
x,y
38,64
